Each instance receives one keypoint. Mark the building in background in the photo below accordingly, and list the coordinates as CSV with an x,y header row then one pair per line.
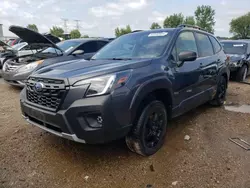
x,y
5,38
1,32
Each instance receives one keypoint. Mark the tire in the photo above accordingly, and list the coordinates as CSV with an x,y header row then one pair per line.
x,y
242,73
148,134
220,96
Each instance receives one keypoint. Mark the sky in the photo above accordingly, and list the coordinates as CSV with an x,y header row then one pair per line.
x,y
101,17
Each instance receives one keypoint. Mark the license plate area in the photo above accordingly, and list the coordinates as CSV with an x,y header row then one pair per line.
x,y
37,115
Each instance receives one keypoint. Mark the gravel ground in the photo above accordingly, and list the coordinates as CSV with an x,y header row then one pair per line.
x,y
30,157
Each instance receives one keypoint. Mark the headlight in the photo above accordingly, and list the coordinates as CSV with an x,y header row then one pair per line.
x,y
104,84
4,67
30,66
1,60
235,64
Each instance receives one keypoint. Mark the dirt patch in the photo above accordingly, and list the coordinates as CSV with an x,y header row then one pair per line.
x,y
30,157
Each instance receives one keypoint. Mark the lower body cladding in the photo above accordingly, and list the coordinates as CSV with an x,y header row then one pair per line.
x,y
14,78
88,120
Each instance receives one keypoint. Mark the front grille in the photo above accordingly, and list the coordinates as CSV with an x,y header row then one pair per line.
x,y
11,68
51,94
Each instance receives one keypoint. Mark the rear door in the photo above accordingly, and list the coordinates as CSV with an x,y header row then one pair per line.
x,y
186,78
248,57
209,60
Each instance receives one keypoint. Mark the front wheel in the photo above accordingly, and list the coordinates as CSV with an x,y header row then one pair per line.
x,y
149,132
220,96
241,75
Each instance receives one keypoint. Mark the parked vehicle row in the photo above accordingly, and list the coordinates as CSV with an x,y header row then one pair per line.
x,y
99,90
129,89
18,68
239,53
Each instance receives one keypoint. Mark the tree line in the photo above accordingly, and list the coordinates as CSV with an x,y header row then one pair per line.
x,y
59,32
204,17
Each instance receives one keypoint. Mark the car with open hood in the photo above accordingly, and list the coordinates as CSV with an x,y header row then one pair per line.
x,y
238,52
17,69
20,49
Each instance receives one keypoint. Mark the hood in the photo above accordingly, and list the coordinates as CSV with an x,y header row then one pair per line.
x,y
34,38
82,69
235,57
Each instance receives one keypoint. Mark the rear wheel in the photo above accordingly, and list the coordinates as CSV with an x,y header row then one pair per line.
x,y
149,132
241,75
220,96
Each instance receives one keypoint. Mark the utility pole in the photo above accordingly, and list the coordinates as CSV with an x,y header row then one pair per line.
x,y
77,24
65,21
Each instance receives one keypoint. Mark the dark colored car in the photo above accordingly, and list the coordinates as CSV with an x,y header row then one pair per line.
x,y
130,88
16,70
239,54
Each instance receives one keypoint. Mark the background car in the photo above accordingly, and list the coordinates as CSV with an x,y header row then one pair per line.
x,y
239,54
16,41
9,41
16,70
20,49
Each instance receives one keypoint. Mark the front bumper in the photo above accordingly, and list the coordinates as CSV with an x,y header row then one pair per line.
x,y
233,67
15,78
78,121
72,137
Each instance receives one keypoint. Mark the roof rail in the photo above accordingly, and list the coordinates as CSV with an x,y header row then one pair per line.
x,y
136,31
192,26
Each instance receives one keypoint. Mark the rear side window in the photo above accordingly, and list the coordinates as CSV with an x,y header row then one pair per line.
x,y
101,44
204,45
216,45
89,47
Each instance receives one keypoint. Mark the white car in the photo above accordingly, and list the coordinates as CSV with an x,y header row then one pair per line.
x,y
18,50
23,49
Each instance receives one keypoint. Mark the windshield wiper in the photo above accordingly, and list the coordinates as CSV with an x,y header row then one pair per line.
x,y
117,58
114,58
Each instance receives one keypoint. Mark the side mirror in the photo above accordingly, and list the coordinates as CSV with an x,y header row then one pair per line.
x,y
78,52
186,56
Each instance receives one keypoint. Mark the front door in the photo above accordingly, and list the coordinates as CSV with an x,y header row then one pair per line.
x,y
186,78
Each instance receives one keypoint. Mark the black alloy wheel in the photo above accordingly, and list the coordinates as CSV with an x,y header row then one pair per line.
x,y
148,134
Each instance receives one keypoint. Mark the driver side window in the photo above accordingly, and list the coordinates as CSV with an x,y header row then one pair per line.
x,y
184,42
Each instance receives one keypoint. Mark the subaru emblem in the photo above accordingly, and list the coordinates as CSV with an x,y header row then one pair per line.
x,y
39,86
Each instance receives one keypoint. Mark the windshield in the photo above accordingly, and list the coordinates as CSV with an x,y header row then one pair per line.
x,y
19,45
137,45
66,46
234,47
